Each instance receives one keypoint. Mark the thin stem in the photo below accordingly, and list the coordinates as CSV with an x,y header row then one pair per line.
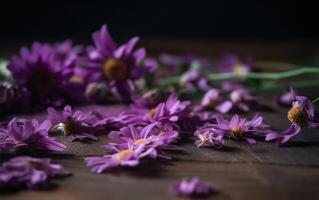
x,y
315,100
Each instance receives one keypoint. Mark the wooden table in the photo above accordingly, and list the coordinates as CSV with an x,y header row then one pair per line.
x,y
243,171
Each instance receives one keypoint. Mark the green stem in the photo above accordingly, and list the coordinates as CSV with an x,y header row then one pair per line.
x,y
264,75
315,100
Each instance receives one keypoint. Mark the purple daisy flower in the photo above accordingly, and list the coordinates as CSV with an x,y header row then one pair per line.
x,y
124,156
193,79
241,128
119,66
193,187
301,114
42,74
243,101
208,135
232,64
30,134
76,126
28,172
170,110
213,100
153,136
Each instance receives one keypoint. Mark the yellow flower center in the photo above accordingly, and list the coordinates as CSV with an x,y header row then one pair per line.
x,y
115,69
297,115
237,131
138,142
152,112
123,154
238,69
77,79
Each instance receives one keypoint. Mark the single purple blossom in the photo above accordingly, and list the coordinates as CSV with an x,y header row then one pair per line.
x,y
154,136
301,114
150,99
119,66
213,99
241,128
243,101
193,187
123,156
42,74
28,172
209,136
30,134
76,126
231,63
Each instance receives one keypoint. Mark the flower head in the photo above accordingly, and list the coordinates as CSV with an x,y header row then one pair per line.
x,y
301,114
30,134
193,187
209,136
241,128
232,64
28,172
123,156
45,76
154,136
76,126
119,66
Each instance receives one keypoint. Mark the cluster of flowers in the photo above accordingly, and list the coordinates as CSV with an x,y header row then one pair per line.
x,y
53,75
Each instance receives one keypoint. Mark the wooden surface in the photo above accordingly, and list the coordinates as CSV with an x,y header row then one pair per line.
x,y
261,171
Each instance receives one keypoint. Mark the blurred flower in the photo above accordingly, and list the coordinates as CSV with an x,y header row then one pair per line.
x,y
28,172
124,156
301,114
193,79
154,136
29,134
42,74
231,63
119,66
192,187
209,136
150,99
76,126
241,128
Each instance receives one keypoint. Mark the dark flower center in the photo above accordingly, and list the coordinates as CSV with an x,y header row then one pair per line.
x,y
212,103
41,83
297,115
237,131
115,69
71,127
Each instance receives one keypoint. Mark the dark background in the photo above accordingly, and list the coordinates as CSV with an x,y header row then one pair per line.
x,y
227,20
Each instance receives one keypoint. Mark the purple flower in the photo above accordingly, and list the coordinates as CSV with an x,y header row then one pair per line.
x,y
209,136
301,114
119,66
193,187
30,134
213,100
28,172
193,79
238,100
232,64
42,74
154,136
241,128
286,99
170,110
76,126
124,156
243,101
